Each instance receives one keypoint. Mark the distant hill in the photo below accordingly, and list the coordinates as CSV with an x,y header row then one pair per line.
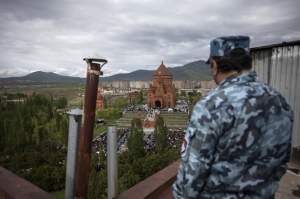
x,y
197,70
40,77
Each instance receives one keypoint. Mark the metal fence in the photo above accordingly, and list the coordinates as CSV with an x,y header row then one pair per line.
x,y
278,65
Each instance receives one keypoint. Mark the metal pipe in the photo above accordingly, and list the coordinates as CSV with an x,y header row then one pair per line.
x,y
86,132
75,116
112,163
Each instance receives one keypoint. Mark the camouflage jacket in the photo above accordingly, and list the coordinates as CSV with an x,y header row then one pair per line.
x,y
237,143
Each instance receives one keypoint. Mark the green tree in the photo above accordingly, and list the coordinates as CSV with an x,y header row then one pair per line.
x,y
183,93
135,141
160,134
61,102
141,97
194,97
98,179
31,140
119,102
128,179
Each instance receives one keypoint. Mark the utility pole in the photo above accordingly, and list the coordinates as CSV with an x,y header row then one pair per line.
x,y
86,132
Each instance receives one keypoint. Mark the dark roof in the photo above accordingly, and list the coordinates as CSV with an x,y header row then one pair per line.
x,y
283,44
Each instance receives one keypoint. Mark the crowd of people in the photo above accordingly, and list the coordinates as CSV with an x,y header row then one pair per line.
x,y
181,106
100,142
174,139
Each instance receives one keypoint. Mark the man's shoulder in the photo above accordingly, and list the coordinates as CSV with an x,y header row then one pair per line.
x,y
213,104
240,90
238,94
222,96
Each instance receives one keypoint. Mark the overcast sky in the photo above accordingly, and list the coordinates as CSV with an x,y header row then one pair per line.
x,y
54,35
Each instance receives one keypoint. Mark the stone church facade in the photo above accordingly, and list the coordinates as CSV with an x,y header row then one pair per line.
x,y
162,92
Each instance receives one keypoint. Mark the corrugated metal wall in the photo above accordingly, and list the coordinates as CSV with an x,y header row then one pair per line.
x,y
279,67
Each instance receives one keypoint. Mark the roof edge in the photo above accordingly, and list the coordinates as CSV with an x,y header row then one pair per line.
x,y
282,44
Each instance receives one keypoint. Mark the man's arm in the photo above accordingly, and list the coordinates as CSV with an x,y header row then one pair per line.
x,y
197,154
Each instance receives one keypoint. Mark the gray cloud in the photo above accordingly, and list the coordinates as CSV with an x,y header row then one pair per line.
x,y
133,34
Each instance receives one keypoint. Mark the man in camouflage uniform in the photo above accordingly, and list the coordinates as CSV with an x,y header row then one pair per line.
x,y
238,140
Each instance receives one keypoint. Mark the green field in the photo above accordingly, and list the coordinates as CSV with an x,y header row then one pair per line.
x,y
70,91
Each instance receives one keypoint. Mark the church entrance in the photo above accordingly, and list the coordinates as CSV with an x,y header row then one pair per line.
x,y
157,104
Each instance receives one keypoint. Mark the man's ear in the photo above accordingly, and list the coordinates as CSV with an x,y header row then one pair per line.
x,y
214,67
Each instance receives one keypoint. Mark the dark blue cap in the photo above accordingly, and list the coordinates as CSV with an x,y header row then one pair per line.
x,y
222,46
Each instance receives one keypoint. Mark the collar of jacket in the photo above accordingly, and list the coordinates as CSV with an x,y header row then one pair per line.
x,y
248,76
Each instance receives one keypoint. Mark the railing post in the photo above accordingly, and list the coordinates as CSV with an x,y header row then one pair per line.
x,y
75,116
112,163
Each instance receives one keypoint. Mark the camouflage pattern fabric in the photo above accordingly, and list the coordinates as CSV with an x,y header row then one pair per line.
x,y
237,143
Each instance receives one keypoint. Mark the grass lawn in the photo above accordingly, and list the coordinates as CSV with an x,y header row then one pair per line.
x,y
98,130
76,102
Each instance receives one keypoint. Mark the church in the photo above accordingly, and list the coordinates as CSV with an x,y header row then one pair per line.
x,y
162,92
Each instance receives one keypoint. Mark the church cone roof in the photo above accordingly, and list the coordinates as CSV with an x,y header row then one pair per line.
x,y
162,70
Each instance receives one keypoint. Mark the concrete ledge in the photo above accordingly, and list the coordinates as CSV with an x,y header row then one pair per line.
x,y
289,187
156,186
14,187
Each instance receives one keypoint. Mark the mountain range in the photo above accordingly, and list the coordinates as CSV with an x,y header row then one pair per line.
x,y
197,70
40,77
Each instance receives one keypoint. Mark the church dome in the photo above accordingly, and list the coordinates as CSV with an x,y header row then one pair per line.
x,y
162,71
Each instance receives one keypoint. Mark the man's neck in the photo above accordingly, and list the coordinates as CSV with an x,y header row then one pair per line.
x,y
222,76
